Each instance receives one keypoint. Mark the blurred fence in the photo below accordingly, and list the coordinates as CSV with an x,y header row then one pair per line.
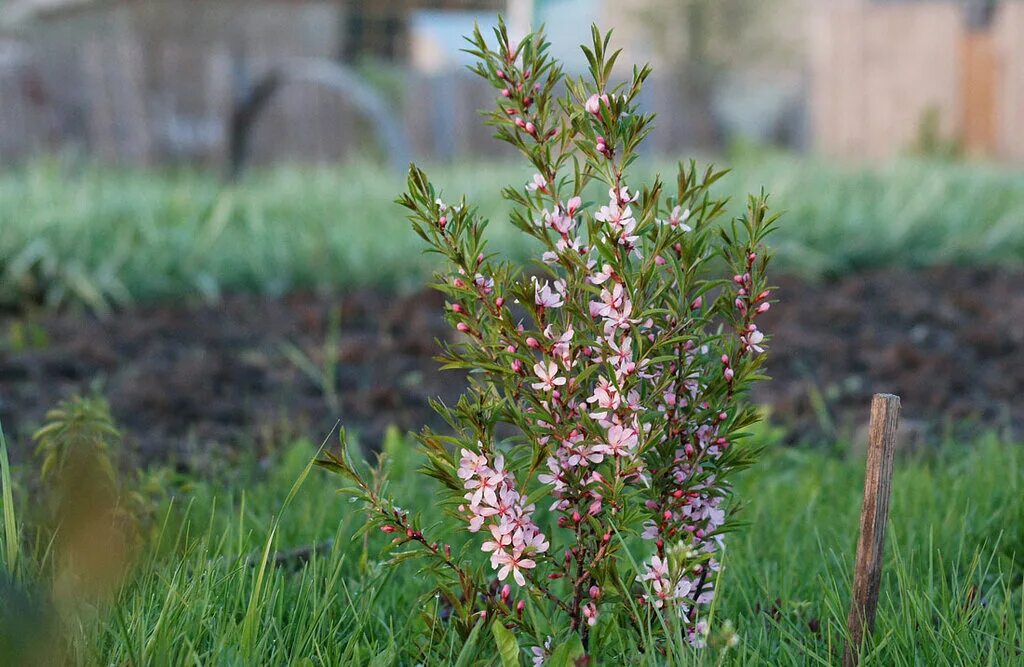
x,y
135,96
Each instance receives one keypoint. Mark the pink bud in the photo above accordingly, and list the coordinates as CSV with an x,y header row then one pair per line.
x,y
443,222
697,303
511,349
729,374
483,614
520,123
725,359
576,516
387,529
480,258
688,450
667,515
499,302
458,283
722,416
463,327
763,308
520,606
530,128
500,74
456,307
506,590
659,260
532,342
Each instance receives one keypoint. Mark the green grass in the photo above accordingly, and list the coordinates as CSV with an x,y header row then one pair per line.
x,y
101,235
203,592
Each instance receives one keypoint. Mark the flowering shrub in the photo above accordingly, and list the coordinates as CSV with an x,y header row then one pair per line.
x,y
591,455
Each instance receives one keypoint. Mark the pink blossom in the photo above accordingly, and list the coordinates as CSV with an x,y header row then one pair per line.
x,y
538,183
677,219
753,339
545,297
548,376
622,440
593,103
513,563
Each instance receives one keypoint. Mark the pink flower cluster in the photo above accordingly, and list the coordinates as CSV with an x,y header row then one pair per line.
x,y
613,370
495,502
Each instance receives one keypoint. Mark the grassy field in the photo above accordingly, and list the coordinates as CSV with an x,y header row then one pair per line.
x,y
102,236
201,591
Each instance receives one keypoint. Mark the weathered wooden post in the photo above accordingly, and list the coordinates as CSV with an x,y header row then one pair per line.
x,y
885,417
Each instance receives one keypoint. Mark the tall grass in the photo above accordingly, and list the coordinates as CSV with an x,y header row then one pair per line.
x,y
100,235
206,589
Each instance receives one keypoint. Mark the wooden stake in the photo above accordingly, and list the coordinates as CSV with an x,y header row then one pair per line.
x,y
885,417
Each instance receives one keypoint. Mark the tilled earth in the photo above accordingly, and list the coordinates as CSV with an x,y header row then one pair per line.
x,y
185,381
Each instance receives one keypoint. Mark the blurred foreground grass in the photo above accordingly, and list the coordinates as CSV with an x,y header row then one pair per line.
x,y
952,592
101,235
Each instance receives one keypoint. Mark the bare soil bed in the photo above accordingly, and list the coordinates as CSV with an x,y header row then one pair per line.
x,y
185,381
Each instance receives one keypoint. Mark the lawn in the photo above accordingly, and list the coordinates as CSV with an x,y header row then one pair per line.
x,y
103,236
204,590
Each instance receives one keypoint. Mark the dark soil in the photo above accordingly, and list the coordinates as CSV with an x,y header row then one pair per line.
x,y
182,378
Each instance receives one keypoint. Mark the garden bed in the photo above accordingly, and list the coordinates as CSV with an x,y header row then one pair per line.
x,y
180,377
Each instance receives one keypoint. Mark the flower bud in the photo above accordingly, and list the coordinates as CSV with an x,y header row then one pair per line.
x,y
505,92
457,308
387,529
463,327
697,303
499,302
532,342
763,308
